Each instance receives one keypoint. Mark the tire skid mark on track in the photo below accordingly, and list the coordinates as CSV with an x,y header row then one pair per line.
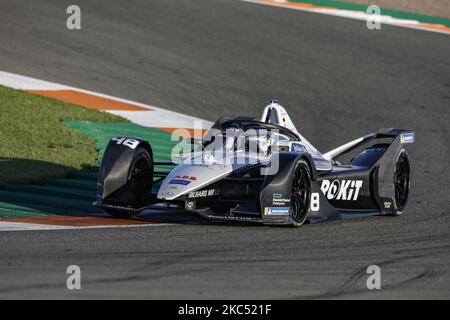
x,y
346,288
86,283
160,265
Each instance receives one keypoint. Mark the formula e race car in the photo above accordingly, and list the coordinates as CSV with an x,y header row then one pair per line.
x,y
244,169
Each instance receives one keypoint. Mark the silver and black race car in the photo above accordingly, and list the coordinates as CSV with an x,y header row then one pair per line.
x,y
265,171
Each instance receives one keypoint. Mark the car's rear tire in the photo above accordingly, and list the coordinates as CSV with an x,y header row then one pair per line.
x,y
301,194
135,194
401,183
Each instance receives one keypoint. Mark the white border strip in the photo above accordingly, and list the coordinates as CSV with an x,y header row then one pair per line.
x,y
350,14
156,117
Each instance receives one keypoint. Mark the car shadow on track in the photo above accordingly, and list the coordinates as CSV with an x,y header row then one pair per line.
x,y
180,216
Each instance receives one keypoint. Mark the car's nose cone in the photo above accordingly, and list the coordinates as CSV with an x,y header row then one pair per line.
x,y
187,177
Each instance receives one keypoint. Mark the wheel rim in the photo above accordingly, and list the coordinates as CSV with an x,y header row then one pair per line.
x,y
401,182
301,189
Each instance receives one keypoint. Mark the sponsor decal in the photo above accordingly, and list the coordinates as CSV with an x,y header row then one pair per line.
x,y
189,205
407,137
182,180
278,211
172,189
203,193
341,189
186,178
279,200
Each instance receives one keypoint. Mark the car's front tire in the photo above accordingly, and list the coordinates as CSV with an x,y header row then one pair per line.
x,y
135,194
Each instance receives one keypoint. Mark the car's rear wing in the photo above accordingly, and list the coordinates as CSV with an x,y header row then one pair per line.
x,y
406,136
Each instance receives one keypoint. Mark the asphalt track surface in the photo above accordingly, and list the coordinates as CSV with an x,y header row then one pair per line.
x,y
225,57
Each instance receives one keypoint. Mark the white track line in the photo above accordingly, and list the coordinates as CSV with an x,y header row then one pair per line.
x,y
155,118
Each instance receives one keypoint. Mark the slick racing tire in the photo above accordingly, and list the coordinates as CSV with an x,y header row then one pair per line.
x,y
139,186
300,195
401,182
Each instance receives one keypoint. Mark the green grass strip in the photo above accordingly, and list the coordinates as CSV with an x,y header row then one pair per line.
x,y
35,142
